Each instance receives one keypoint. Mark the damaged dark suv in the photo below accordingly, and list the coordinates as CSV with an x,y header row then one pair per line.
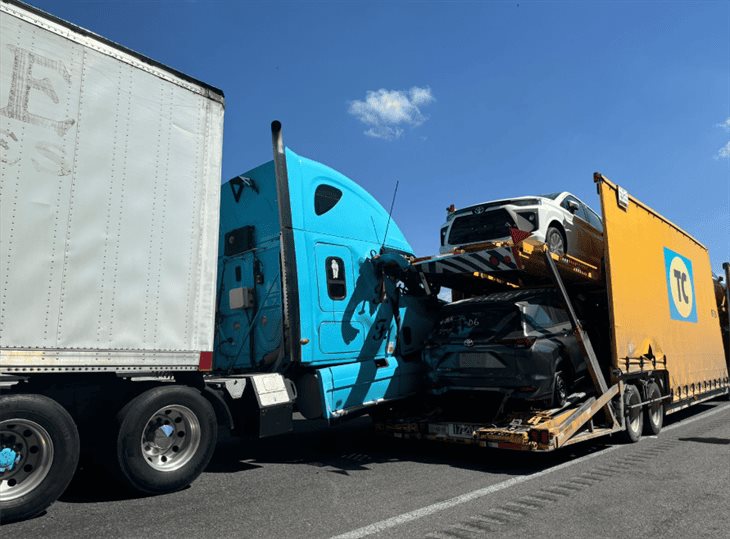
x,y
519,343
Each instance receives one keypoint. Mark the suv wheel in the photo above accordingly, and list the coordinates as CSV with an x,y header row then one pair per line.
x,y
555,240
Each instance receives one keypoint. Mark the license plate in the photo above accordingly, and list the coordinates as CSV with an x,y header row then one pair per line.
x,y
479,360
462,430
437,429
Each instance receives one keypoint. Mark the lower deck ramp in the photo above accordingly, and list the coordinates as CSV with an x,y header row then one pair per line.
x,y
531,430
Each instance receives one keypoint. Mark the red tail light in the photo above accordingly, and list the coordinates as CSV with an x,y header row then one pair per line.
x,y
205,363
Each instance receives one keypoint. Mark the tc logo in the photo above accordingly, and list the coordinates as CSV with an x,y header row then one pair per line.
x,y
680,286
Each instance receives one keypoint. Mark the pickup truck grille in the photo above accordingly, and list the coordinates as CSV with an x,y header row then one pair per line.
x,y
476,227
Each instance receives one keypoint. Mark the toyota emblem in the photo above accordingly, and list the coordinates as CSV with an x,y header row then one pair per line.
x,y
468,343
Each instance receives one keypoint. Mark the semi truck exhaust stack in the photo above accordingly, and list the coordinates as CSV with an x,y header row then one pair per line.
x,y
290,297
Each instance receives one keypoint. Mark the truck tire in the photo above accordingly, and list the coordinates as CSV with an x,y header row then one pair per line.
x,y
39,451
653,413
166,437
633,417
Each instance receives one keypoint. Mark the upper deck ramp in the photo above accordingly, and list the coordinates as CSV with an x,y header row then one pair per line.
x,y
489,267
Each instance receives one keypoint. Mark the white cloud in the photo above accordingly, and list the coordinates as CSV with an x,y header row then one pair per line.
x,y
724,152
387,112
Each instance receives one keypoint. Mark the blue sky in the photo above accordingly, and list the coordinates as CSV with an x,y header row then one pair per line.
x,y
468,101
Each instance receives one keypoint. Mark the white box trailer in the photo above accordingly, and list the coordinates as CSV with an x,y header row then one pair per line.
x,y
110,170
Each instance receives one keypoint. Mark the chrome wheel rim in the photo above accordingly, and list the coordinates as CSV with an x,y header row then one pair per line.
x,y
555,243
26,456
170,438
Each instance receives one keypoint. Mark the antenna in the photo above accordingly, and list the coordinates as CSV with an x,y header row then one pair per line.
x,y
390,214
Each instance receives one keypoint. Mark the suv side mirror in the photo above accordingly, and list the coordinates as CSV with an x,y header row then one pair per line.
x,y
572,206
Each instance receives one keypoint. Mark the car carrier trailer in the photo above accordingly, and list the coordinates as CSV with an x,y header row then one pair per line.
x,y
665,330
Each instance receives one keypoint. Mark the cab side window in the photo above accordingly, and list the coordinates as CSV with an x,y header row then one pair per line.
x,y
326,197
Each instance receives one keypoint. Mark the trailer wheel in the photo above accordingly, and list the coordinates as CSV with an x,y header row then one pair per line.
x,y
633,414
166,437
654,412
39,451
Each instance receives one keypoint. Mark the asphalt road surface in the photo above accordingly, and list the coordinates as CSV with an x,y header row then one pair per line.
x,y
348,482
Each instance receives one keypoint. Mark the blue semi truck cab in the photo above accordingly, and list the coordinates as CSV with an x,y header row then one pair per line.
x,y
313,286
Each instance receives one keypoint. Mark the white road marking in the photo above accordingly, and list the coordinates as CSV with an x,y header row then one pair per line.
x,y
416,514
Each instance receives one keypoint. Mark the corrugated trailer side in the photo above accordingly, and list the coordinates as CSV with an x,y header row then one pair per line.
x,y
109,194
663,311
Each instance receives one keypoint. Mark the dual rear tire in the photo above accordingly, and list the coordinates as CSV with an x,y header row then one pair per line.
x,y
648,418
39,451
633,415
161,441
653,411
165,438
